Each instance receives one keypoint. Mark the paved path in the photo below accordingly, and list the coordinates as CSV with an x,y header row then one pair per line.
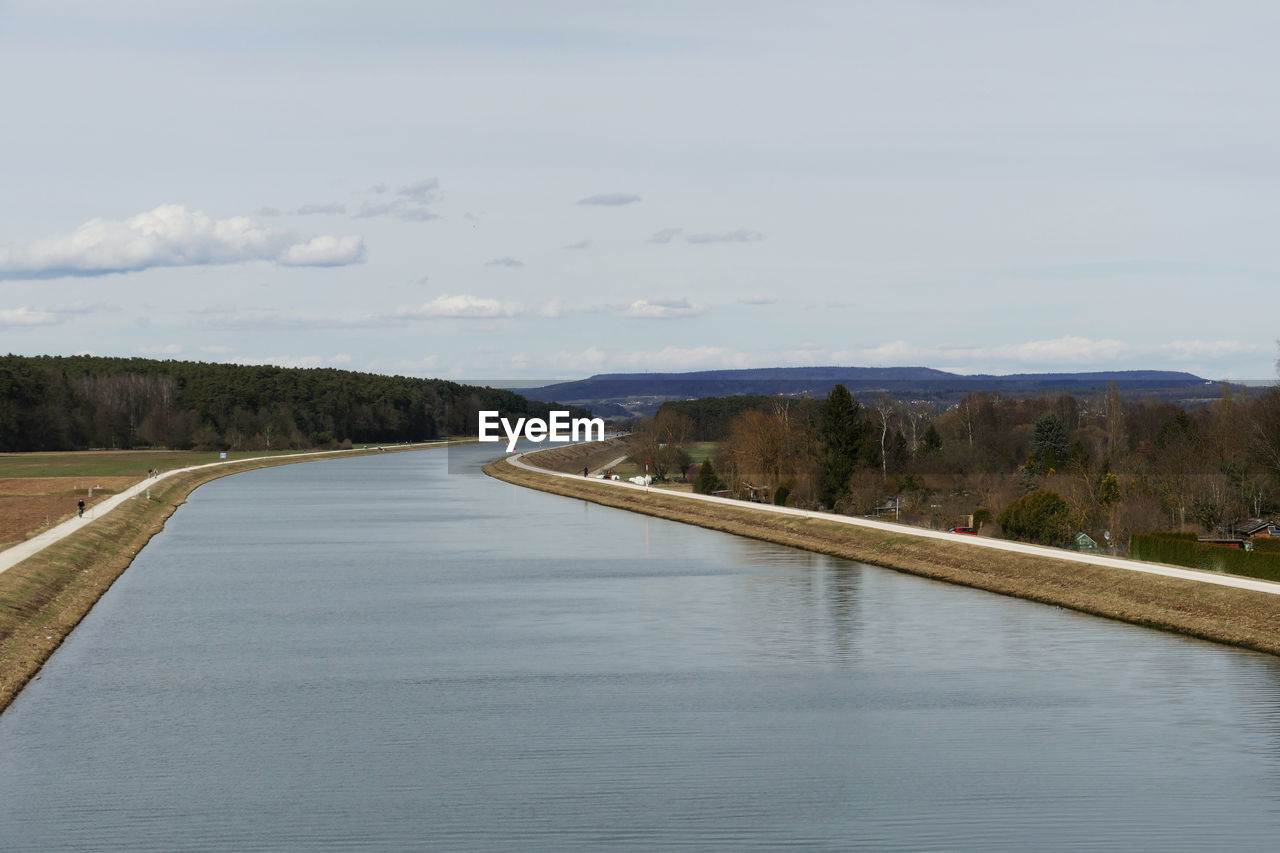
x,y
958,539
10,557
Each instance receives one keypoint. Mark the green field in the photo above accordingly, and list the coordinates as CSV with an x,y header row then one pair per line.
x,y
113,463
701,451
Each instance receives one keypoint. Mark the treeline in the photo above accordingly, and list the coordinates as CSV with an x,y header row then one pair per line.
x,y
79,402
1105,464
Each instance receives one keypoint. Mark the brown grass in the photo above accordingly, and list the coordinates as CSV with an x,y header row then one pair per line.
x,y
29,505
44,597
570,459
1236,617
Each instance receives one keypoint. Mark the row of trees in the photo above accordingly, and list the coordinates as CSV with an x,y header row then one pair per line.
x,y
70,403
1105,464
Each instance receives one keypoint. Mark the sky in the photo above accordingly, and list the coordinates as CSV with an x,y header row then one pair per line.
x,y
556,189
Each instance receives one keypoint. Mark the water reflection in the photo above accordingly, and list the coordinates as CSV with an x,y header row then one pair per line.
x,y
376,654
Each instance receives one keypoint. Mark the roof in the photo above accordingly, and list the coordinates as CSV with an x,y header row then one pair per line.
x,y
1251,526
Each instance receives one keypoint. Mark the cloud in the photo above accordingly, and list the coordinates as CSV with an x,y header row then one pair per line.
x,y
405,367
660,309
461,306
1066,353
585,244
742,235
610,199
337,360
169,236
260,319
335,207
410,202
11,317
505,262
161,349
422,192
666,235
325,251
757,299
594,359
551,310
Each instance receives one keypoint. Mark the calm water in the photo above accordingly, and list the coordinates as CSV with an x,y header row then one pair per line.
x,y
374,654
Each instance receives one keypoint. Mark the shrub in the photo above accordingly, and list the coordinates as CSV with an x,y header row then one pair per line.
x,y
1042,517
781,494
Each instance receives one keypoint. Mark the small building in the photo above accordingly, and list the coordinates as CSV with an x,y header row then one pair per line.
x,y
1085,542
1251,527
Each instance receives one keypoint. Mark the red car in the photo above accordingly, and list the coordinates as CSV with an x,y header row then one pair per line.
x,y
972,531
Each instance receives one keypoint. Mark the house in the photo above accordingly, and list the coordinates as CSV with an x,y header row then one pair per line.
x,y
1085,542
1251,527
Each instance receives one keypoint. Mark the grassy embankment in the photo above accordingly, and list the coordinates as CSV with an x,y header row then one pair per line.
x,y
44,597
1222,614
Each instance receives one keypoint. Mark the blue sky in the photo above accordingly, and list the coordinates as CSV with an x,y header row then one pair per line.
x,y
557,189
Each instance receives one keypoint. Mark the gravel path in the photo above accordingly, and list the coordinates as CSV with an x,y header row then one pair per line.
x,y
958,539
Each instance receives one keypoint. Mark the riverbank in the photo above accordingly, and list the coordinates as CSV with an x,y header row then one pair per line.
x,y
1238,617
46,595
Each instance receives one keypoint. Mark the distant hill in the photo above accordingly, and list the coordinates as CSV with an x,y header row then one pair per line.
x,y
642,393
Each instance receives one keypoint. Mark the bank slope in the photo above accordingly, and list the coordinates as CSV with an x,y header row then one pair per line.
x,y
1239,617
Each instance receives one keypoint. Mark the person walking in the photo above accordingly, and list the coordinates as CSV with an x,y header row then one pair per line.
x,y
80,506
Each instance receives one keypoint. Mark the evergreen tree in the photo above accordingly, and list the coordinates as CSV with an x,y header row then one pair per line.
x,y
932,440
1049,442
843,438
708,481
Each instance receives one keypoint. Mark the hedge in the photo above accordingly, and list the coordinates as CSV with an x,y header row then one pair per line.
x,y
1186,550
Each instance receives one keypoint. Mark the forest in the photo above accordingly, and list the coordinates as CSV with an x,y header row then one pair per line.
x,y
1038,468
83,402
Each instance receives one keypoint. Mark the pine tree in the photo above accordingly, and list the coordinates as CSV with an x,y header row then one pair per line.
x,y
842,435
708,481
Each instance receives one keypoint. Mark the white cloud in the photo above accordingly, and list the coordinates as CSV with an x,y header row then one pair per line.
x,y
552,309
168,236
742,235
161,349
509,262
324,251
27,317
1065,354
406,367
662,309
610,199
338,360
584,244
461,306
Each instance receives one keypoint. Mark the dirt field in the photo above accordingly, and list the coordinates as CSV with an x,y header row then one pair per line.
x,y
29,505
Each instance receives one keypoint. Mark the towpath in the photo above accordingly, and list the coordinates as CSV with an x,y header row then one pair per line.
x,y
960,540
